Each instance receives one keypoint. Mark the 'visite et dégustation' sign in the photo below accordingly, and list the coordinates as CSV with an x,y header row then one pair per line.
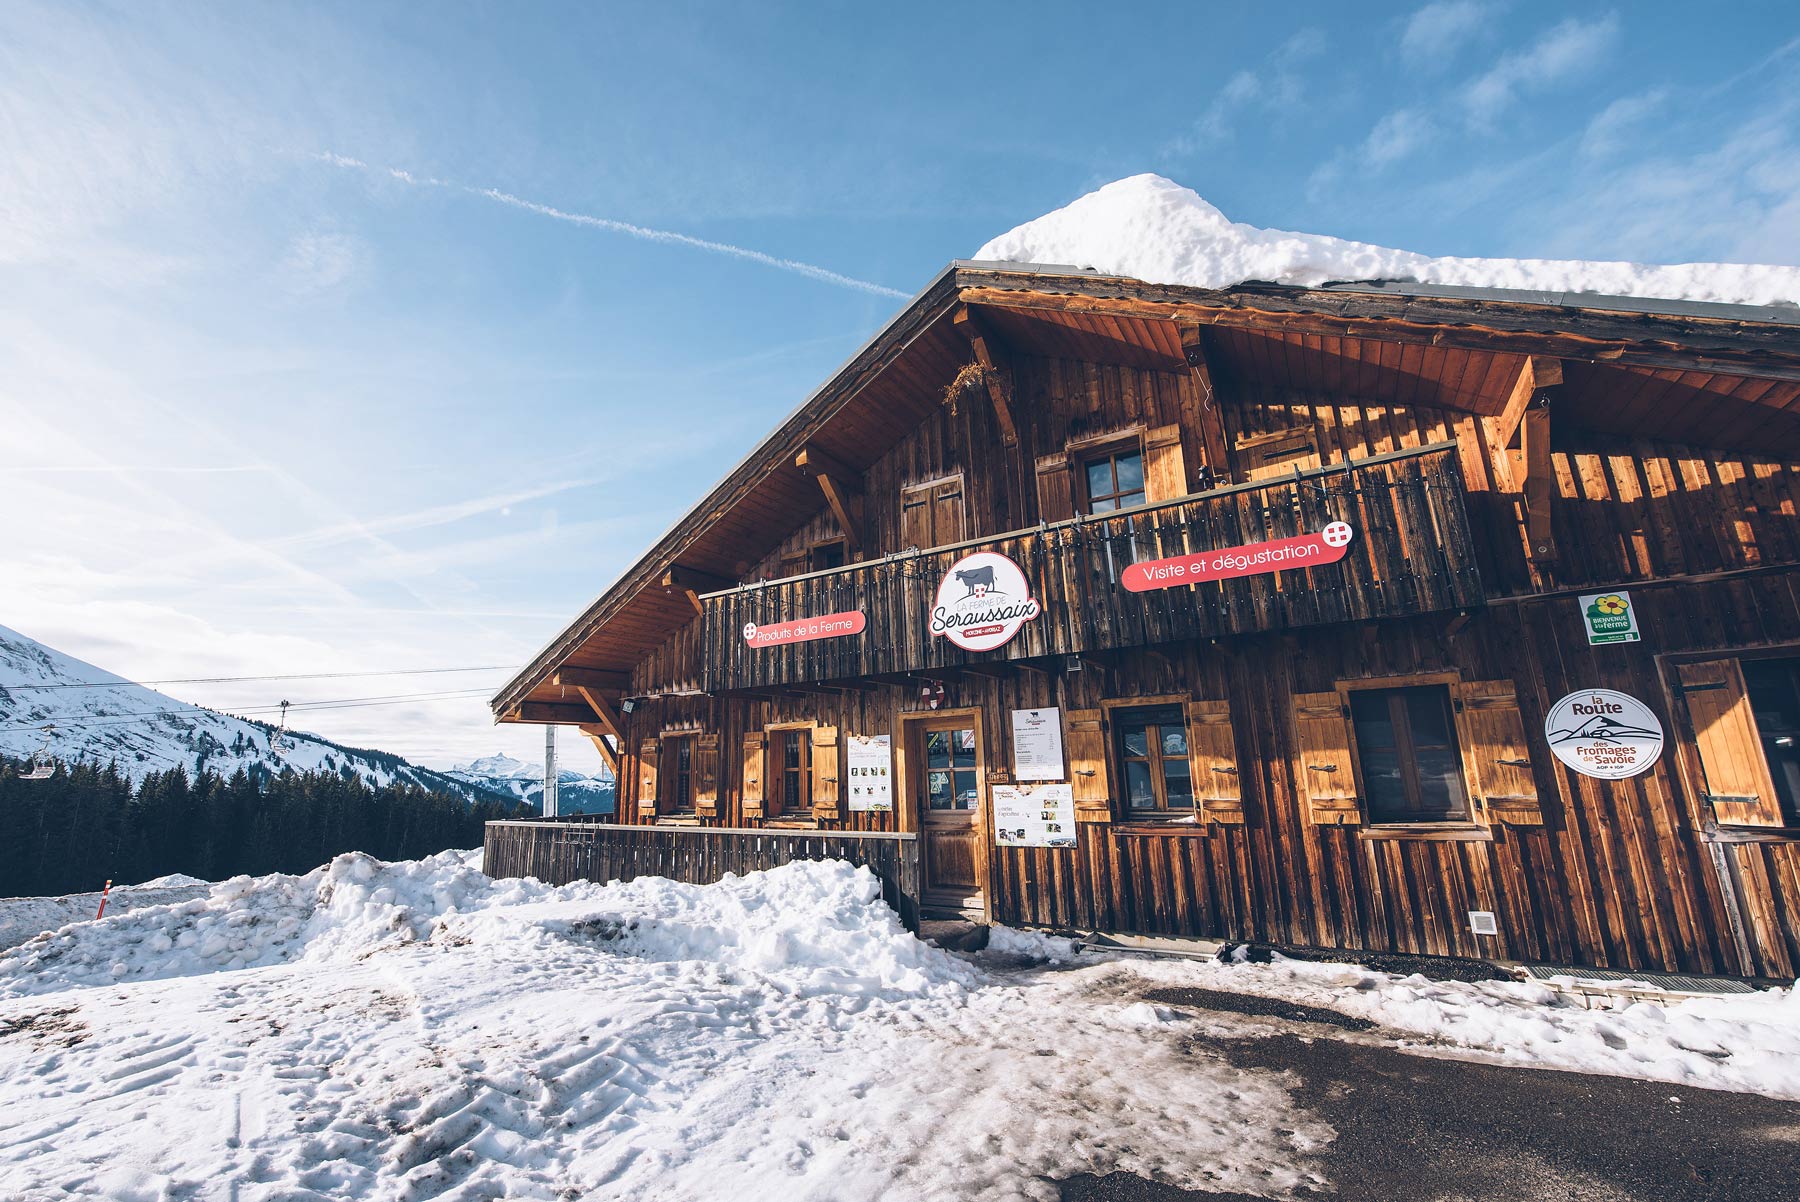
x,y
804,630
1278,555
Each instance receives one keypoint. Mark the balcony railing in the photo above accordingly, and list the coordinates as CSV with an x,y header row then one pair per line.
x,y
1410,553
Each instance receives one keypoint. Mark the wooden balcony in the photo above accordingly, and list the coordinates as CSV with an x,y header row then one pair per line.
x,y
1410,554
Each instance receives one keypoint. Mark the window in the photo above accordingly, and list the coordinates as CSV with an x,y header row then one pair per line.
x,y
1153,753
1406,749
678,774
1774,688
950,772
826,556
793,770
1115,480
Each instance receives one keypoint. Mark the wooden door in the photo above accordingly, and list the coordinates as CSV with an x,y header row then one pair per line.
x,y
951,795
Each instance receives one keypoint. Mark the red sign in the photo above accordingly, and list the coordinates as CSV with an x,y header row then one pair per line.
x,y
804,630
1280,555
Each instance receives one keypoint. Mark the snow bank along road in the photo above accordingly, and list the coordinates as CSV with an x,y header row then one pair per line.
x,y
412,1031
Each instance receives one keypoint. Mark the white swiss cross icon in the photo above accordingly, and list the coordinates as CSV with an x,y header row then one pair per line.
x,y
981,590
1337,534
749,631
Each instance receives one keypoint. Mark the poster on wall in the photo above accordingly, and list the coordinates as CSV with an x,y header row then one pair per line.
x,y
1609,618
1034,815
870,761
1604,734
1037,744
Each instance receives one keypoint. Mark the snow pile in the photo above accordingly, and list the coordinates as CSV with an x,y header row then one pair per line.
x,y
1748,1043
433,1034
21,918
820,925
1153,229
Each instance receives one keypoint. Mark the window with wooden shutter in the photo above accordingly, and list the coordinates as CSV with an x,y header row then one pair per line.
x,y
649,757
751,776
827,791
706,776
1327,774
1165,469
1495,749
932,514
1735,774
1085,739
1055,488
1212,756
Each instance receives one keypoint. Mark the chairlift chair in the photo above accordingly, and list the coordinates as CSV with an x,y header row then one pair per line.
x,y
40,766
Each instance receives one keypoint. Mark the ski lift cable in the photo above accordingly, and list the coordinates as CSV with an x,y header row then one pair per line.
x,y
130,718
115,684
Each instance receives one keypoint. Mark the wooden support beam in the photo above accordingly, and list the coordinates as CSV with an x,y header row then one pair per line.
x,y
1519,447
553,714
691,582
1539,484
995,373
842,486
591,678
1210,418
998,670
604,714
608,752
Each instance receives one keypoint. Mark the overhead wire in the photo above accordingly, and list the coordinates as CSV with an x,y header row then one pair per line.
x,y
114,684
334,703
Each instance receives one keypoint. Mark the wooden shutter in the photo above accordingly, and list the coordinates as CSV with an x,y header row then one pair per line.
x,y
649,759
947,512
751,778
1327,775
706,776
1736,776
1499,759
1165,471
1085,739
826,789
1278,454
1055,488
915,516
1212,759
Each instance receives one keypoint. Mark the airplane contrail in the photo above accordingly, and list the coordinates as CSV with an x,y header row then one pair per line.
x,y
644,233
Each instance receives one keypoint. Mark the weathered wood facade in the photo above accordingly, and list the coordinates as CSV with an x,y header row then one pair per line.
x,y
1497,458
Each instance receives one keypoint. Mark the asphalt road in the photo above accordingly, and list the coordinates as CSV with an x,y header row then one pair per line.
x,y
1416,1127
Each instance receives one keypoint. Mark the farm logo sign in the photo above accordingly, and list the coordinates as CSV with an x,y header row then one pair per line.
x,y
804,630
1308,550
982,602
1610,618
1604,734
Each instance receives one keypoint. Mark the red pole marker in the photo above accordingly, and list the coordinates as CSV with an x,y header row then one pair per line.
x,y
103,894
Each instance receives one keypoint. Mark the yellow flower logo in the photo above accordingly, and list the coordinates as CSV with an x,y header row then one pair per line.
x,y
1612,605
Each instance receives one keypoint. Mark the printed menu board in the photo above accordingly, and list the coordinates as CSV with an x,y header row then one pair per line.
x,y
870,760
1037,744
1034,815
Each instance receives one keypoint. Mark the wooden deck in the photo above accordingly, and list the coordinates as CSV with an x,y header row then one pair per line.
x,y
1412,555
558,852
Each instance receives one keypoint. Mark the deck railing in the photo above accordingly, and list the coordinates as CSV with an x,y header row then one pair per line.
x,y
1411,554
558,852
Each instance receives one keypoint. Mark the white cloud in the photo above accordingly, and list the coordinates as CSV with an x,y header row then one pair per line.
x,y
1276,86
320,262
1605,133
1556,56
1436,32
1395,136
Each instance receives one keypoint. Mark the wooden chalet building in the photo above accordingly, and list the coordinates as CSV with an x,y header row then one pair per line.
x,y
1307,572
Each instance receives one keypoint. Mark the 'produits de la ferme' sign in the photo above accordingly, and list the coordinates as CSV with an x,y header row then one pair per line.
x,y
804,630
1308,550
982,602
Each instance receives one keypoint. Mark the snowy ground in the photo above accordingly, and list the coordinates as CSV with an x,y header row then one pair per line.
x,y
23,917
416,1031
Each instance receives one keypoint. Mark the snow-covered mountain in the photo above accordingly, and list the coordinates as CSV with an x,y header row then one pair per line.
x,y
101,717
575,793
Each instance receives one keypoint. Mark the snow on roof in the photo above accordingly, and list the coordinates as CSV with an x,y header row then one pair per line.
x,y
1150,228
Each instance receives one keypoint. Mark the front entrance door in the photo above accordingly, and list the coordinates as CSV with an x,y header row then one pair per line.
x,y
952,811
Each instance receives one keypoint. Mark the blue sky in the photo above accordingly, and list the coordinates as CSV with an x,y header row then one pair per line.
x,y
326,349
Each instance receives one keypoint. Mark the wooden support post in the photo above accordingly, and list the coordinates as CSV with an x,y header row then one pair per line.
x,y
1210,419
610,754
591,678
692,582
1526,467
995,372
842,486
552,714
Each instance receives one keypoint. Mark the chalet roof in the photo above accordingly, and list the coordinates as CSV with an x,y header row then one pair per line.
x,y
1697,368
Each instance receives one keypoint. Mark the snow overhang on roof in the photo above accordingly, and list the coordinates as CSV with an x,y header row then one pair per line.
x,y
1752,340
